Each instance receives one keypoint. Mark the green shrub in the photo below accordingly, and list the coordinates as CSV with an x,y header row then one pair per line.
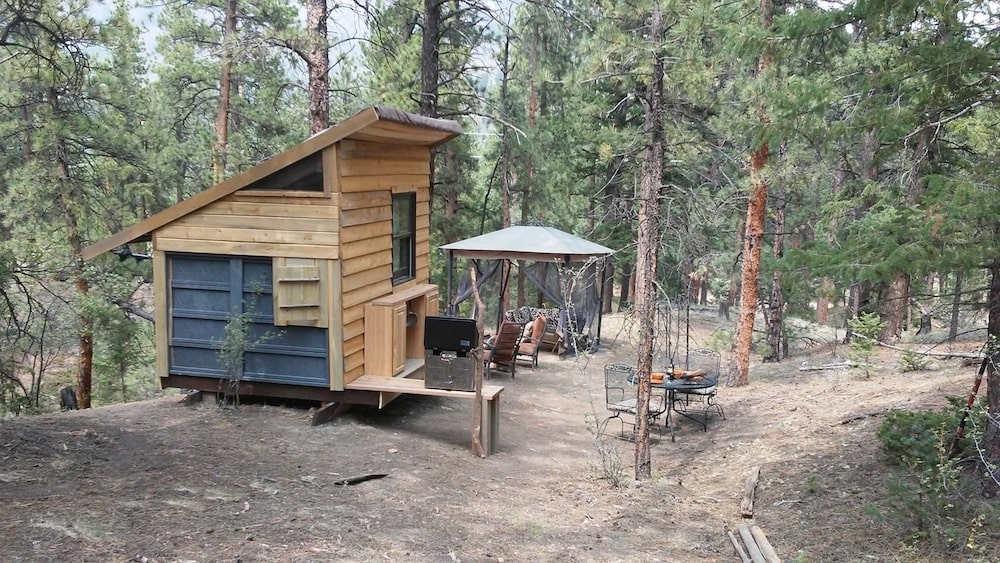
x,y
938,505
912,361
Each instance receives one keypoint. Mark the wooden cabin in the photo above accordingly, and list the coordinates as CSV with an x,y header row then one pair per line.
x,y
323,250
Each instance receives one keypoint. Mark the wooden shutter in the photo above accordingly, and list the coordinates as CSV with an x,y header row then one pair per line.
x,y
299,292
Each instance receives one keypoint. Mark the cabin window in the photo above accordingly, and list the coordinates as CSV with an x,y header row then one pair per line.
x,y
404,237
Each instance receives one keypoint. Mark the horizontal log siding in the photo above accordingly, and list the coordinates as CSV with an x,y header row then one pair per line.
x,y
369,173
258,225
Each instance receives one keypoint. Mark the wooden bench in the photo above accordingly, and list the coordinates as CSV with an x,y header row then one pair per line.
x,y
391,387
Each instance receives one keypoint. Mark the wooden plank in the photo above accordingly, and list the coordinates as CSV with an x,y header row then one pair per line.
x,y
331,170
765,546
752,550
367,277
328,412
161,308
335,334
365,294
378,183
354,345
353,266
403,132
201,219
352,330
260,234
362,200
362,149
265,194
405,295
349,235
377,245
742,553
244,248
749,491
354,314
271,209
410,386
383,166
367,216
353,362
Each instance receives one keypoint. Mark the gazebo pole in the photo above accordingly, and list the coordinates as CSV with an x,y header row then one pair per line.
x,y
600,300
451,300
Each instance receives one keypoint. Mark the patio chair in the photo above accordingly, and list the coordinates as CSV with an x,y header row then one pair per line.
x,y
503,348
620,395
710,361
531,343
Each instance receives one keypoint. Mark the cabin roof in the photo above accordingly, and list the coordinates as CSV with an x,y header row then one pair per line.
x,y
375,124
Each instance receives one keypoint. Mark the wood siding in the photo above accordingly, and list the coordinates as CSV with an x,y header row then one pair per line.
x,y
368,175
258,224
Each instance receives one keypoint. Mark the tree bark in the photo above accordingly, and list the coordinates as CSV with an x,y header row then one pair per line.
x,y
225,95
319,66
739,373
956,303
85,364
992,436
647,244
776,303
430,58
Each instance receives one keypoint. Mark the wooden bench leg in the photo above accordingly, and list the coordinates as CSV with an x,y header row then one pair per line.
x,y
489,432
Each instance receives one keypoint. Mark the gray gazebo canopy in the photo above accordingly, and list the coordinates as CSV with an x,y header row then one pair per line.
x,y
527,243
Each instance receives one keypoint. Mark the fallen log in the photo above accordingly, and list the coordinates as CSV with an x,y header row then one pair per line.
x,y
749,492
765,546
756,555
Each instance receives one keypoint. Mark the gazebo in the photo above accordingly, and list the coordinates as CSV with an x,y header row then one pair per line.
x,y
529,244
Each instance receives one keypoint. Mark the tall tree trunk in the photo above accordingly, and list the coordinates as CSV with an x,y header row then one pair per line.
x,y
739,370
85,364
826,286
225,95
430,59
897,302
625,299
319,66
956,305
992,437
776,304
647,245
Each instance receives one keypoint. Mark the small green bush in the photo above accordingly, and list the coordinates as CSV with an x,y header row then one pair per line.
x,y
911,361
930,497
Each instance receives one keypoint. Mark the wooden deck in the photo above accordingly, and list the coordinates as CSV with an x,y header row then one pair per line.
x,y
391,387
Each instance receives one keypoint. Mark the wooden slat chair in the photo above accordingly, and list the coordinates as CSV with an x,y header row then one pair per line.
x,y
530,344
711,362
503,348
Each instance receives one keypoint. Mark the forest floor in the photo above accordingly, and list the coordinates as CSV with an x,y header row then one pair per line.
x,y
159,481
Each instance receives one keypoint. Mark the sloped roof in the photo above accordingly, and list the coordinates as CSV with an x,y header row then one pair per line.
x,y
375,124
537,244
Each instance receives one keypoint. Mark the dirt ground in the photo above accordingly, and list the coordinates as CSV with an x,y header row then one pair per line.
x,y
161,481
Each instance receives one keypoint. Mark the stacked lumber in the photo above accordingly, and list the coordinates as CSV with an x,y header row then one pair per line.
x,y
754,547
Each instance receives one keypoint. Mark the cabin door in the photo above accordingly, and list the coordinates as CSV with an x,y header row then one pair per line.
x,y
223,305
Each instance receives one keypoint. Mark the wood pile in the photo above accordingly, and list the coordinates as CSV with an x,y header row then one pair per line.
x,y
749,541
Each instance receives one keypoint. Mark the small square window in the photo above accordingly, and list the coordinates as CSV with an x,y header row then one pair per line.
x,y
404,237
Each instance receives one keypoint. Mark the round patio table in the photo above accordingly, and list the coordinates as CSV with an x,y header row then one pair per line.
x,y
672,386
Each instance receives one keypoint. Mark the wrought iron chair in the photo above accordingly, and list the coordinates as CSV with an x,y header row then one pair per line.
x,y
503,348
710,361
620,395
